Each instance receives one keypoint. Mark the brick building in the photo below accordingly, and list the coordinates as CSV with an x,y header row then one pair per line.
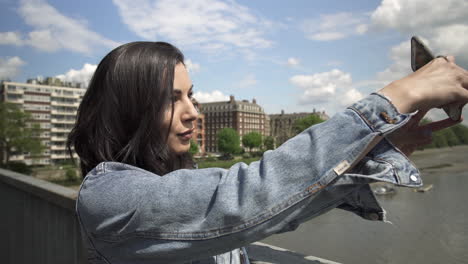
x,y
199,135
243,116
281,124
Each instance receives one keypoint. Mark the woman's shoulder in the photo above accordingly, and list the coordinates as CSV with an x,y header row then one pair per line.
x,y
117,176
113,167
113,188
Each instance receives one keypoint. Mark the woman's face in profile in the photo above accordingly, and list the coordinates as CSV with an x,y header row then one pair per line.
x,y
183,125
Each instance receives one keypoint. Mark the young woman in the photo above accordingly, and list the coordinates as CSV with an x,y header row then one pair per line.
x,y
141,201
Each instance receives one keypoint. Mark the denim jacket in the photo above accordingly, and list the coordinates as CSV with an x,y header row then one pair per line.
x,y
129,215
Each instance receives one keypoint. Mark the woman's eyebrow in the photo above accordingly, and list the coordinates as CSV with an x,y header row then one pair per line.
x,y
179,91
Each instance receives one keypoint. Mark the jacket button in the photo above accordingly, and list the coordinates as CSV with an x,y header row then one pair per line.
x,y
373,216
387,118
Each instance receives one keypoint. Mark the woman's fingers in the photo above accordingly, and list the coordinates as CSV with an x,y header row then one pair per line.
x,y
438,125
408,149
419,137
419,116
451,58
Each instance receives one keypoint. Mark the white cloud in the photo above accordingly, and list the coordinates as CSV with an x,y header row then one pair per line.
x,y
10,67
248,81
443,28
82,75
11,38
214,96
362,29
44,40
401,64
333,88
335,26
192,67
351,96
443,23
209,25
419,15
293,62
54,31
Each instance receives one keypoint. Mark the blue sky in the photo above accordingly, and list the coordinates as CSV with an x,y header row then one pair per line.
x,y
291,55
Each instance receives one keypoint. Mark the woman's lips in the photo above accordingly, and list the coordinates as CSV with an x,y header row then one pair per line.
x,y
187,135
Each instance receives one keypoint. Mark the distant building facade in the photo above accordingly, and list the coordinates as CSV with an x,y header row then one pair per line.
x,y
199,135
54,81
54,108
243,116
281,124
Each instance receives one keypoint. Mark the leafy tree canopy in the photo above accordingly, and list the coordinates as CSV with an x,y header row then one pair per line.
x,y
269,142
306,122
228,141
16,135
252,140
193,148
448,137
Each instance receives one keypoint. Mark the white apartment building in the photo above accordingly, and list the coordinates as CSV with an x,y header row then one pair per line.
x,y
54,108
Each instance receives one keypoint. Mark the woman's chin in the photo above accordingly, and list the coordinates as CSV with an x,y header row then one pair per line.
x,y
182,149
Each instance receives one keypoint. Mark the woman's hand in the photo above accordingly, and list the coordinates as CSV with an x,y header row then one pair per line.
x,y
440,82
412,135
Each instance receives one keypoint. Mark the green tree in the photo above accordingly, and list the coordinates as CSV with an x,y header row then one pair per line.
x,y
16,136
228,141
19,167
306,122
461,132
269,142
439,140
193,147
452,139
70,174
252,140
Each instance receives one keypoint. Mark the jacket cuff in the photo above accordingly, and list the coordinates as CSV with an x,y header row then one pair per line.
x,y
380,114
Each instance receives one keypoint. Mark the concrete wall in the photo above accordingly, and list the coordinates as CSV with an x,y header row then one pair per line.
x,y
37,223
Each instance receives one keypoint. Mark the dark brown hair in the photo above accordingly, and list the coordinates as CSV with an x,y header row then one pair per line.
x,y
121,115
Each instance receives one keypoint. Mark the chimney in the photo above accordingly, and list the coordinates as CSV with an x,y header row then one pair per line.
x,y
231,99
282,111
254,101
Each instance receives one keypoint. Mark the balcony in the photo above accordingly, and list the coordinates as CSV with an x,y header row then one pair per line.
x,y
15,101
62,121
60,130
54,147
62,156
60,112
55,103
58,139
65,96
15,91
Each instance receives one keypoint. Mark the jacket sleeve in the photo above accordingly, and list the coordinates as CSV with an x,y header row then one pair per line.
x,y
131,215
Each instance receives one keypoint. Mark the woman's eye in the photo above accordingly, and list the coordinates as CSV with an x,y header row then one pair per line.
x,y
190,95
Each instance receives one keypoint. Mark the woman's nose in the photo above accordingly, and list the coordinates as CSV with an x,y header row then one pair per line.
x,y
191,112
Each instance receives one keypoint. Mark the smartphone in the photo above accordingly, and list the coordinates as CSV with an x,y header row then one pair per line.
x,y
420,56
